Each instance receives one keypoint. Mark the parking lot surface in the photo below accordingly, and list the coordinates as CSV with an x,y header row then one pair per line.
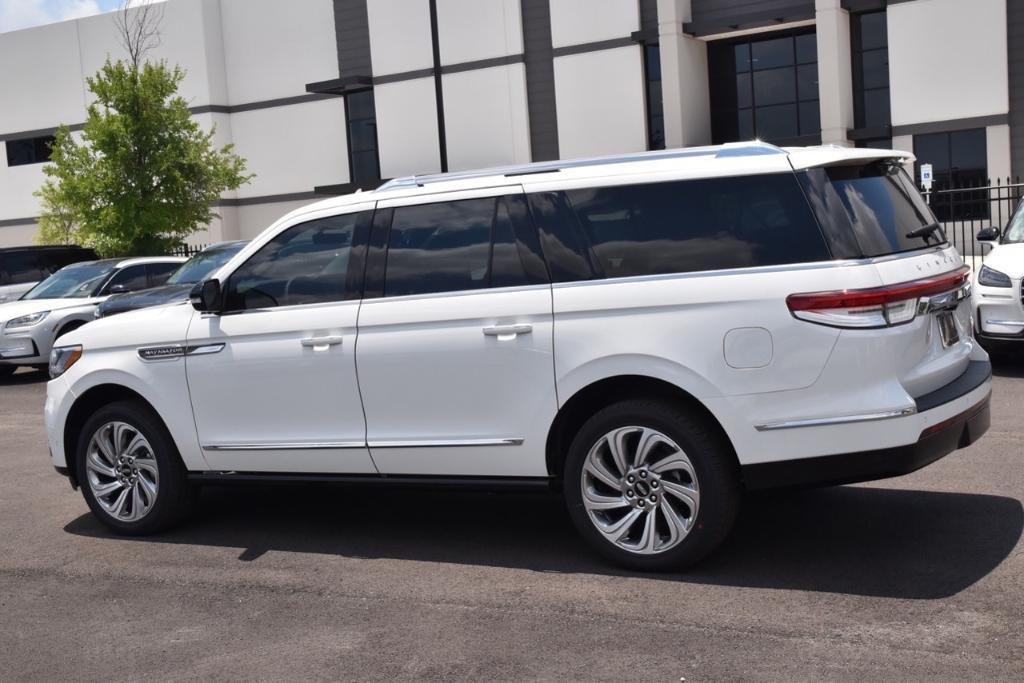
x,y
920,577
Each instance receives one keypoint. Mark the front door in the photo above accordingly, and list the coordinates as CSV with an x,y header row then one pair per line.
x,y
455,338
273,378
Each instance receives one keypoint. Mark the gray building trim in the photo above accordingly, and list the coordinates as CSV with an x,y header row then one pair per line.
x,y
6,222
201,109
649,15
538,56
404,76
352,35
596,46
950,125
268,199
721,16
482,64
1015,53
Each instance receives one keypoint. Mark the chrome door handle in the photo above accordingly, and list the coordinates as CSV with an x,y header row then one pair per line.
x,y
508,330
321,342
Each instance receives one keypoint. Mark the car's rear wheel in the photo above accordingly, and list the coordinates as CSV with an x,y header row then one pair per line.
x,y
651,486
130,472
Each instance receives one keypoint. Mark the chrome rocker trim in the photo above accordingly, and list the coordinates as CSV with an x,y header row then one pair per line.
x,y
845,419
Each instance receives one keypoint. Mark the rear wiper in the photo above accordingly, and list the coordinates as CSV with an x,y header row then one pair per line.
x,y
924,231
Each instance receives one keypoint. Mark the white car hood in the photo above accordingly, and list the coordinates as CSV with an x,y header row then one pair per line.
x,y
1006,258
16,309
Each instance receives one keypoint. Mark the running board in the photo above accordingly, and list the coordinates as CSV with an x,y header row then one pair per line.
x,y
418,481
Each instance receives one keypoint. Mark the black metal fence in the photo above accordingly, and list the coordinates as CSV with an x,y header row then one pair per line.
x,y
965,210
188,250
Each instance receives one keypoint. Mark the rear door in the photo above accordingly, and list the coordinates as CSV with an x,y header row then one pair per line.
x,y
455,337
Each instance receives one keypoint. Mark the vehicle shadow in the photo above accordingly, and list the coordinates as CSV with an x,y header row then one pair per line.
x,y
1008,366
855,540
24,376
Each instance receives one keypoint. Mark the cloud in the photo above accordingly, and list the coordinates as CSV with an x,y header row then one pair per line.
x,y
15,14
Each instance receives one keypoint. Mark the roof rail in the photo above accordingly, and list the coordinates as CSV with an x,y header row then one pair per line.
x,y
732,149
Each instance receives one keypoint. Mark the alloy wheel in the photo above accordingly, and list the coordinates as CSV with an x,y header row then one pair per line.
x,y
640,490
122,471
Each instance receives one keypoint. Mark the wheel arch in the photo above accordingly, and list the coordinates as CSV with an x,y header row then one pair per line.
x,y
85,406
601,393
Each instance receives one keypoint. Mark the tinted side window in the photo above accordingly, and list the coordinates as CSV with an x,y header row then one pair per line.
x,y
306,264
21,268
447,247
129,279
693,225
159,272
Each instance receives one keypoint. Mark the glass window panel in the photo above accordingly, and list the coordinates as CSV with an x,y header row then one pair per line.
x,y
774,87
872,30
363,135
776,122
876,107
506,266
875,69
305,264
741,53
686,226
360,105
810,118
968,150
442,247
743,98
652,54
769,54
806,48
807,81
745,125
365,166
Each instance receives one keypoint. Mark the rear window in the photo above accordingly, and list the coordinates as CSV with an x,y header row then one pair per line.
x,y
877,205
694,225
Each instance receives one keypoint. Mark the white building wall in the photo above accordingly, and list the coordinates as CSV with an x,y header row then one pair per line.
x,y
600,102
407,128
273,48
486,120
400,35
574,22
947,60
470,30
293,148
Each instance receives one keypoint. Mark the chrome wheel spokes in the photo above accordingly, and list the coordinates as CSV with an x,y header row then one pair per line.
x,y
640,490
122,472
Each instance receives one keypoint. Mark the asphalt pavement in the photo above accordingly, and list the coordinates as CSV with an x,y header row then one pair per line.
x,y
915,578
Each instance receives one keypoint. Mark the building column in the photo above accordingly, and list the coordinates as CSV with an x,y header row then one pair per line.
x,y
835,72
684,78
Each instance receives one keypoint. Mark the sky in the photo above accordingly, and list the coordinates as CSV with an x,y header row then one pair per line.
x,y
15,14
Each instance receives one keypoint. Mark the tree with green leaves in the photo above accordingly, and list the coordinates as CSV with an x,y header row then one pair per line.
x,y
144,175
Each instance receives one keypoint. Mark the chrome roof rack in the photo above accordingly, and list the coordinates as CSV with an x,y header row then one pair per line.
x,y
731,149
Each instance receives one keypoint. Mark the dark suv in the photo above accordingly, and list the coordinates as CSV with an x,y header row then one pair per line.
x,y
21,268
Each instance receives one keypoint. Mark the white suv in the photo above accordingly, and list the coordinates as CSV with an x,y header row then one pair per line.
x,y
653,334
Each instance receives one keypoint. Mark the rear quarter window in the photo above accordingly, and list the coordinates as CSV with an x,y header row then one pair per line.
x,y
695,225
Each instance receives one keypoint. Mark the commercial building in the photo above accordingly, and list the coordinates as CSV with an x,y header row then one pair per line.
x,y
326,97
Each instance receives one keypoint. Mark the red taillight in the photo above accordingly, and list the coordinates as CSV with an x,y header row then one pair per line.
x,y
875,307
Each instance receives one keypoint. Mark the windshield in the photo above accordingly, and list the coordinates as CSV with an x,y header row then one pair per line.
x,y
73,282
887,213
202,265
1015,229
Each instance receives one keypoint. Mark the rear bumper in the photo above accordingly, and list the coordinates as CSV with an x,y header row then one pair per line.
x,y
934,442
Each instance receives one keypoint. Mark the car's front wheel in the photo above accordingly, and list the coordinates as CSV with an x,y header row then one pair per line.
x,y
650,485
130,472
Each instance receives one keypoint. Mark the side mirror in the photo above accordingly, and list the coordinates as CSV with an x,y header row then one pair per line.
x,y
989,234
205,296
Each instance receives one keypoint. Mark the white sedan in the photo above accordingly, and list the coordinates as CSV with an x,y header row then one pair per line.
x,y
998,296
67,300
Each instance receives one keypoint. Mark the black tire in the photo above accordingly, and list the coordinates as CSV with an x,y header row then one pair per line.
x,y
175,496
712,460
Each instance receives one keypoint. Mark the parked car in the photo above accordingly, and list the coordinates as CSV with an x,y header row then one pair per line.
x,y
178,285
653,334
67,300
999,292
21,268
